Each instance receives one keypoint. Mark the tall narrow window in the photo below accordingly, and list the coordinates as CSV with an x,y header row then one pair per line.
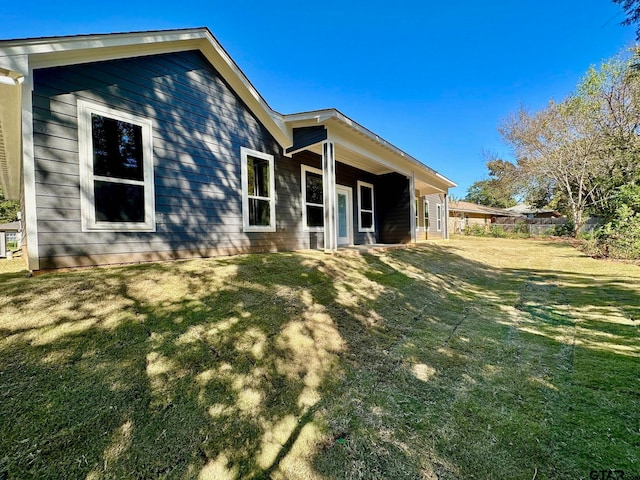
x,y
365,207
116,169
417,216
312,199
426,215
439,217
258,191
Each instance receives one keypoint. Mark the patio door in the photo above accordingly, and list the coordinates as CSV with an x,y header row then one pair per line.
x,y
345,214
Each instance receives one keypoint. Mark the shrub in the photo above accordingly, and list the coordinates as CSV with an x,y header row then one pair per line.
x,y
520,227
476,230
498,232
565,230
621,236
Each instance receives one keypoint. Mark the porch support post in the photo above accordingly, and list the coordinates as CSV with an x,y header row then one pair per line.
x,y
446,216
30,219
329,188
412,205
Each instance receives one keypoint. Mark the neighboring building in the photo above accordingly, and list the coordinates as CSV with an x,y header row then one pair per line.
x,y
9,235
533,212
466,214
154,145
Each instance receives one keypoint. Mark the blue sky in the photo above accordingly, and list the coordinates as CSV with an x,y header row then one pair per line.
x,y
433,78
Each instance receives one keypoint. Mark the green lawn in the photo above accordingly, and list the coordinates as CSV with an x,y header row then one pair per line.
x,y
475,358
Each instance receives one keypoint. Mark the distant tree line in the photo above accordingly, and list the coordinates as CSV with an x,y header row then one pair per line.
x,y
580,156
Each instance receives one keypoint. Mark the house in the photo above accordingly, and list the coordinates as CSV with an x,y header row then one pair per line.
x,y
154,145
466,214
10,237
530,211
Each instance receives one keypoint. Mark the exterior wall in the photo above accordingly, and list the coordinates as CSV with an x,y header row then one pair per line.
x,y
393,204
199,126
346,176
457,224
434,199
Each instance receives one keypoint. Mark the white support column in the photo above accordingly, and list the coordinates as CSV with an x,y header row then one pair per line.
x,y
28,170
412,204
329,188
445,220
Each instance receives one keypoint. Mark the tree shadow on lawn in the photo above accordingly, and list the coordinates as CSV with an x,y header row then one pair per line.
x,y
297,365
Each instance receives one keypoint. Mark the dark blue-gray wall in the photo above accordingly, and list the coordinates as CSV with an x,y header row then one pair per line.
x,y
199,126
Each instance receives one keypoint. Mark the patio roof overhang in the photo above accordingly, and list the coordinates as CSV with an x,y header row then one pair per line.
x,y
361,148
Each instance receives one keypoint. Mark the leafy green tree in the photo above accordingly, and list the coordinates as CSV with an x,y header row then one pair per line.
x,y
557,147
579,152
8,209
500,189
621,235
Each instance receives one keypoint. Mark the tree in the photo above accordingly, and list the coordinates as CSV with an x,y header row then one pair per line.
x,y
579,152
632,10
557,147
612,96
8,209
500,189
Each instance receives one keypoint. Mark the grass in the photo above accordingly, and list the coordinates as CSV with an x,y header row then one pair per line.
x,y
476,358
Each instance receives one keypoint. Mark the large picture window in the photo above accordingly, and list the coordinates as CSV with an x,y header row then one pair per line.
x,y
116,169
312,199
365,207
258,191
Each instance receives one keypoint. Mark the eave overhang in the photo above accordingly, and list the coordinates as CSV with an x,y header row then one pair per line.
x,y
10,140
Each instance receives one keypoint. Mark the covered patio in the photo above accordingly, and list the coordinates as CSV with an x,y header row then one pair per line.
x,y
369,188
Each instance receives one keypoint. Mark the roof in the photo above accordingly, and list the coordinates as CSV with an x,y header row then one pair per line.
x,y
19,57
10,227
468,207
524,209
332,114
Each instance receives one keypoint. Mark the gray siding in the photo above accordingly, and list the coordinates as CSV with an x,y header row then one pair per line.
x,y
306,136
199,125
347,176
434,199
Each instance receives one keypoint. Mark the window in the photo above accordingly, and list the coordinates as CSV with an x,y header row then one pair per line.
x,y
116,169
312,199
438,217
426,214
258,191
417,217
365,207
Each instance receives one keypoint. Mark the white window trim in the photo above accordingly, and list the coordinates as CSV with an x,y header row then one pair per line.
x,y
303,187
425,215
360,209
87,194
244,154
417,216
439,217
